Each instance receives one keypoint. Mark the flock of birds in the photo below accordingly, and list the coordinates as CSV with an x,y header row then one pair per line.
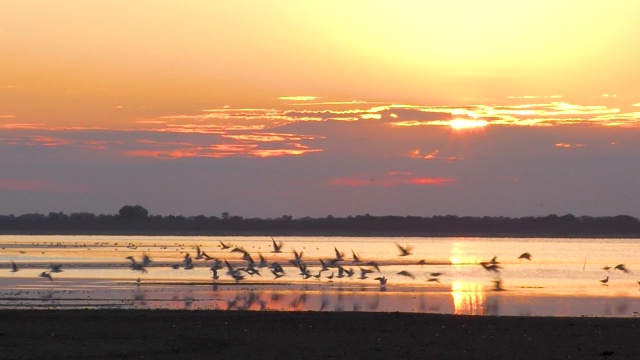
x,y
337,267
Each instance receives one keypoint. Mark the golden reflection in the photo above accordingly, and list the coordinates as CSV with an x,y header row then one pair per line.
x,y
468,298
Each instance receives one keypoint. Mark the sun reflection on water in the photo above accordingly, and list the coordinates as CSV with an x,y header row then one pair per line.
x,y
468,298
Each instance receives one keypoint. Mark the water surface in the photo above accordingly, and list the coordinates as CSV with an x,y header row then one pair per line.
x,y
563,277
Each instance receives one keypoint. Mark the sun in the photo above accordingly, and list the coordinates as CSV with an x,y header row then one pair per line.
x,y
460,124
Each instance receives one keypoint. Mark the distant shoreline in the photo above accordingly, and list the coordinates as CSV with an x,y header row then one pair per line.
x,y
320,234
136,221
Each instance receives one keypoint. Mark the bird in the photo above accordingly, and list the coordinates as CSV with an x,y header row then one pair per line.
x,y
606,267
404,250
224,246
382,280
45,274
198,253
339,255
407,274
214,273
434,279
493,267
146,260
621,267
55,268
14,267
497,285
356,259
276,246
605,281
525,256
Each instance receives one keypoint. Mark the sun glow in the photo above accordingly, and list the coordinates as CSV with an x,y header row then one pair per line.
x,y
459,124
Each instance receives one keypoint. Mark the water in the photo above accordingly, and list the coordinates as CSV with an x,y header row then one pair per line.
x,y
562,278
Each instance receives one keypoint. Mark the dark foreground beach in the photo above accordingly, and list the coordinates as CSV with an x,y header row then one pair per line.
x,y
158,334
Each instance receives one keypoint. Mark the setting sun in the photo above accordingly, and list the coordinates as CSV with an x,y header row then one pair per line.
x,y
459,124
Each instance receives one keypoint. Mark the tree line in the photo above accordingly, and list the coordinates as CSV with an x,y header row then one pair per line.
x,y
135,220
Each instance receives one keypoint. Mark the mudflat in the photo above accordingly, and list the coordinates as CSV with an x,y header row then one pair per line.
x,y
171,334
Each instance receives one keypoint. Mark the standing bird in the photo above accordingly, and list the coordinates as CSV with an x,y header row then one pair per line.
x,y
404,250
525,256
14,267
605,281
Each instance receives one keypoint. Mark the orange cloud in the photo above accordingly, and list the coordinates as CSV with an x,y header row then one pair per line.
x,y
220,151
391,181
298,98
565,145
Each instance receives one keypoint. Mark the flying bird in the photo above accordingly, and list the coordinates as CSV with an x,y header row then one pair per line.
x,y
356,259
525,256
45,274
276,246
493,267
404,250
382,280
407,274
225,246
621,267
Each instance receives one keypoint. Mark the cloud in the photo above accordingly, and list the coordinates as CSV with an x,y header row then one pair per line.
x,y
39,185
535,97
298,98
391,179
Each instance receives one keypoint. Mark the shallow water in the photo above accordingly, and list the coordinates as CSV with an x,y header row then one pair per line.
x,y
562,278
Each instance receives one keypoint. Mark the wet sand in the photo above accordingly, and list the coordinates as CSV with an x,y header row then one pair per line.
x,y
161,334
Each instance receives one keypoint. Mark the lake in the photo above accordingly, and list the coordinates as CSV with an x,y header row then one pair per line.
x,y
564,276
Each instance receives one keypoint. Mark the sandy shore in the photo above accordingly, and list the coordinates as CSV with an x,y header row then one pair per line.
x,y
158,334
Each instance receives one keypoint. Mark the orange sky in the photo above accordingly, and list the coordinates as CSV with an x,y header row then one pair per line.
x,y
107,64
394,84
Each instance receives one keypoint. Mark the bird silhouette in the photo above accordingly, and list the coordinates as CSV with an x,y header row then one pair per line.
x,y
14,267
47,275
622,268
407,274
525,256
491,268
605,281
404,250
356,259
382,280
276,246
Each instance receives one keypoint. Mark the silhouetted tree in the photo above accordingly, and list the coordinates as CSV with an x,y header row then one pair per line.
x,y
135,212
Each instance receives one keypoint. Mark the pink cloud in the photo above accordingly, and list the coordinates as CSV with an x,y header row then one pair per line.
x,y
38,185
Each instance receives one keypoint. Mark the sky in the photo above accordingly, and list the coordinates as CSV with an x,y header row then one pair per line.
x,y
283,107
